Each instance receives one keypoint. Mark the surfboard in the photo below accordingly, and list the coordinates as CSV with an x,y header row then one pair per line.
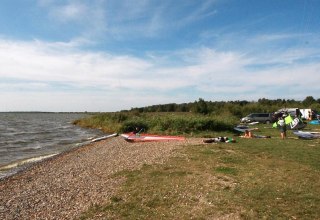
x,y
150,137
243,128
253,123
307,134
104,137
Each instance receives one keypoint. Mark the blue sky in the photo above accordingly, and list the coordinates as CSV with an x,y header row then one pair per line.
x,y
110,55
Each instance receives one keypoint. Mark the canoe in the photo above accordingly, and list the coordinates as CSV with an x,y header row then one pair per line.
x,y
130,137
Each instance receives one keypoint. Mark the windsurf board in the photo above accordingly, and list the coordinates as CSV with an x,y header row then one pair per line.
x,y
150,137
104,137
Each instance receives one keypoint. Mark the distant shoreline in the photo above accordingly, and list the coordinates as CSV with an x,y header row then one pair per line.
x,y
50,112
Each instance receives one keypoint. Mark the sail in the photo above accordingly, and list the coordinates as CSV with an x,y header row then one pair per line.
x,y
292,124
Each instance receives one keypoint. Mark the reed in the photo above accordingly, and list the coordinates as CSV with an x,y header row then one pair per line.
x,y
161,123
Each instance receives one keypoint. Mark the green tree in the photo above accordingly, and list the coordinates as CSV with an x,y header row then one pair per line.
x,y
308,101
201,107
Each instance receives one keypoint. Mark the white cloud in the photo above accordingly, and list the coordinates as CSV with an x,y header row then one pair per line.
x,y
63,73
42,62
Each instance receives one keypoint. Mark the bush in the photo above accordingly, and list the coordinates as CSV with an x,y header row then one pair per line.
x,y
131,125
165,123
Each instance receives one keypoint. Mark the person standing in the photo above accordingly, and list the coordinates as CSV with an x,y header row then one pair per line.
x,y
298,113
310,115
282,127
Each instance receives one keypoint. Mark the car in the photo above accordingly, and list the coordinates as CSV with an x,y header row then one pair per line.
x,y
306,114
258,117
286,111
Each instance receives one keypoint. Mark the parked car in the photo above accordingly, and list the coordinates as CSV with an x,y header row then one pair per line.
x,y
308,114
288,111
258,117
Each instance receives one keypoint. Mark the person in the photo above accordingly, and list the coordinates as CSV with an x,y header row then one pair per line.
x,y
298,113
282,128
248,134
310,116
220,139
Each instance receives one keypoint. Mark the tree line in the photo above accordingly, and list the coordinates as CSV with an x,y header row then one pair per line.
x,y
235,108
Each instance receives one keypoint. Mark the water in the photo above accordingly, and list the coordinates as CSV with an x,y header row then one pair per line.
x,y
29,137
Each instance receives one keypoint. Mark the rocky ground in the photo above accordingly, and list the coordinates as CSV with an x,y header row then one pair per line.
x,y
66,185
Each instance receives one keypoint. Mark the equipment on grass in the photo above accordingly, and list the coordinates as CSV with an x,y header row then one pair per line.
x,y
291,124
315,122
243,128
307,134
104,137
130,137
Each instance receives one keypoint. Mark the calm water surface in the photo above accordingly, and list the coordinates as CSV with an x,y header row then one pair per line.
x,y
30,137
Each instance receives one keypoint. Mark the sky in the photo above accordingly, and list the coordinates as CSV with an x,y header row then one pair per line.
x,y
112,55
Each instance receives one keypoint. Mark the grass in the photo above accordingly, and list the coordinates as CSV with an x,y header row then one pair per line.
x,y
250,179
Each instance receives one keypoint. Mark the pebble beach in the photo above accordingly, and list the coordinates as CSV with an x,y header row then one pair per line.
x,y
66,185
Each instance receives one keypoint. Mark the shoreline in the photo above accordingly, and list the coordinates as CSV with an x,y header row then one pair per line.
x,y
23,164
67,184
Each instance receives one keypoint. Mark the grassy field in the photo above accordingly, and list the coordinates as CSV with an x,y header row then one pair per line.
x,y
250,179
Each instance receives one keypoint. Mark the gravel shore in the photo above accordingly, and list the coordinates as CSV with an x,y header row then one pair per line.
x,y
66,185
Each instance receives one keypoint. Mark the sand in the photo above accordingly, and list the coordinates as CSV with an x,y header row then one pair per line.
x,y
65,186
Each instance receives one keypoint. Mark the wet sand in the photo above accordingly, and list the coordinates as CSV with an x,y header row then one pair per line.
x,y
65,186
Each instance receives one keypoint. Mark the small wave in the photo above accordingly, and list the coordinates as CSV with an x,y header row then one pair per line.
x,y
44,134
26,161
36,147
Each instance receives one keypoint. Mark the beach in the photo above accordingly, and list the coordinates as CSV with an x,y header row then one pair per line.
x,y
66,185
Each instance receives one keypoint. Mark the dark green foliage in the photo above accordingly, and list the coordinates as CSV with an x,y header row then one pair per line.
x,y
234,108
309,100
119,117
189,118
192,124
201,107
179,123
131,125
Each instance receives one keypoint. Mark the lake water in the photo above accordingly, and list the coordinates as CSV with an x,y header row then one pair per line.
x,y
29,137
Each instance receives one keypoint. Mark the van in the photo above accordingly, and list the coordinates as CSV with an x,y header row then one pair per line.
x,y
258,117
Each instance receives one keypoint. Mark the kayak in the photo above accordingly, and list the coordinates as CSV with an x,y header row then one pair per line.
x,y
130,137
